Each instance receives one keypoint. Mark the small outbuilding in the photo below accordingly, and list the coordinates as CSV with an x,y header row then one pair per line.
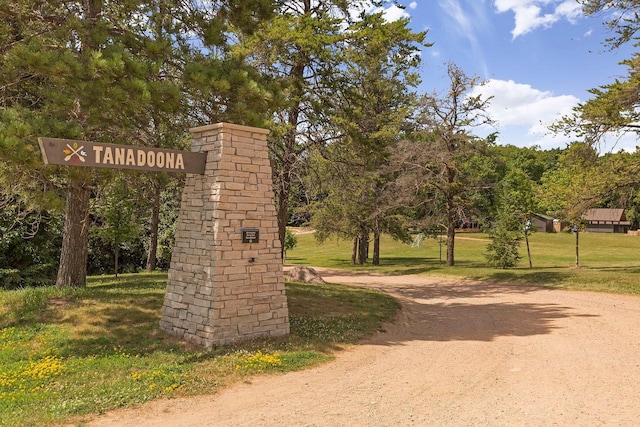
x,y
603,220
542,223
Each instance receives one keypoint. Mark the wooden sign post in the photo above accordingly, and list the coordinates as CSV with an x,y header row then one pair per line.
x,y
225,281
68,152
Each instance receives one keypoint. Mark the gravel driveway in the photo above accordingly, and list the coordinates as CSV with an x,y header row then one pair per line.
x,y
461,354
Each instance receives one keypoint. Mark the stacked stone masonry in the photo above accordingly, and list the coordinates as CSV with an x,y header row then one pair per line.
x,y
221,290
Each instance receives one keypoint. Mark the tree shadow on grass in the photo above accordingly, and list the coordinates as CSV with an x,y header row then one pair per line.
x,y
118,316
410,265
129,282
118,329
616,269
394,266
123,319
538,278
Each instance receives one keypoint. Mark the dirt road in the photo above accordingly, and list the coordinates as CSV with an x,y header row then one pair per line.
x,y
461,354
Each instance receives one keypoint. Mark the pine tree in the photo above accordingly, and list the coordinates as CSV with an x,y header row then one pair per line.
x,y
437,155
102,71
370,107
304,49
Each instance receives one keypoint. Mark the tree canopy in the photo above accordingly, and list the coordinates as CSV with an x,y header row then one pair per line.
x,y
436,158
625,20
111,71
614,106
353,143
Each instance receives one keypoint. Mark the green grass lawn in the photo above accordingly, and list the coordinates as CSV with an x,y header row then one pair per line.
x,y
68,354
608,262
65,355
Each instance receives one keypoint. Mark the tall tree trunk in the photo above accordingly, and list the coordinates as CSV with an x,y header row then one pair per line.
x,y
283,213
354,251
376,249
290,152
366,250
153,229
577,258
451,236
363,249
287,161
450,195
72,271
526,239
116,254
376,242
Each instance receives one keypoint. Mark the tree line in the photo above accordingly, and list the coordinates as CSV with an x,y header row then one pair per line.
x,y
356,150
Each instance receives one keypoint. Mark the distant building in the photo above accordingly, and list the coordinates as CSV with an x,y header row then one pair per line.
x,y
606,221
542,223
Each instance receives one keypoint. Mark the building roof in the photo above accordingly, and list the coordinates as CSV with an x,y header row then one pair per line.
x,y
602,214
543,217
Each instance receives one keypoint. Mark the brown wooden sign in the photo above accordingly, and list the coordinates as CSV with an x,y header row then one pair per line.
x,y
68,152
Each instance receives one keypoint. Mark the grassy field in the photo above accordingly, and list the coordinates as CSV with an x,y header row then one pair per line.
x,y
608,262
67,354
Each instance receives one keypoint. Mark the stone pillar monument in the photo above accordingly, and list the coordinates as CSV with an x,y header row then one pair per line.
x,y
226,282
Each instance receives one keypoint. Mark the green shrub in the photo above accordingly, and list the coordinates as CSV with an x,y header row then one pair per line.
x,y
10,278
290,241
31,276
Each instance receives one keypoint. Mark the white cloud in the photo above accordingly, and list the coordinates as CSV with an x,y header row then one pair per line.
x,y
520,104
570,10
464,22
390,12
524,113
533,14
413,5
393,13
613,142
468,17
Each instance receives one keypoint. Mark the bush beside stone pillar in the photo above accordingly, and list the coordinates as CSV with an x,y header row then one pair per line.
x,y
221,290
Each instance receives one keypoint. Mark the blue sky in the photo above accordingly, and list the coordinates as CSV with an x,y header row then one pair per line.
x,y
538,58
